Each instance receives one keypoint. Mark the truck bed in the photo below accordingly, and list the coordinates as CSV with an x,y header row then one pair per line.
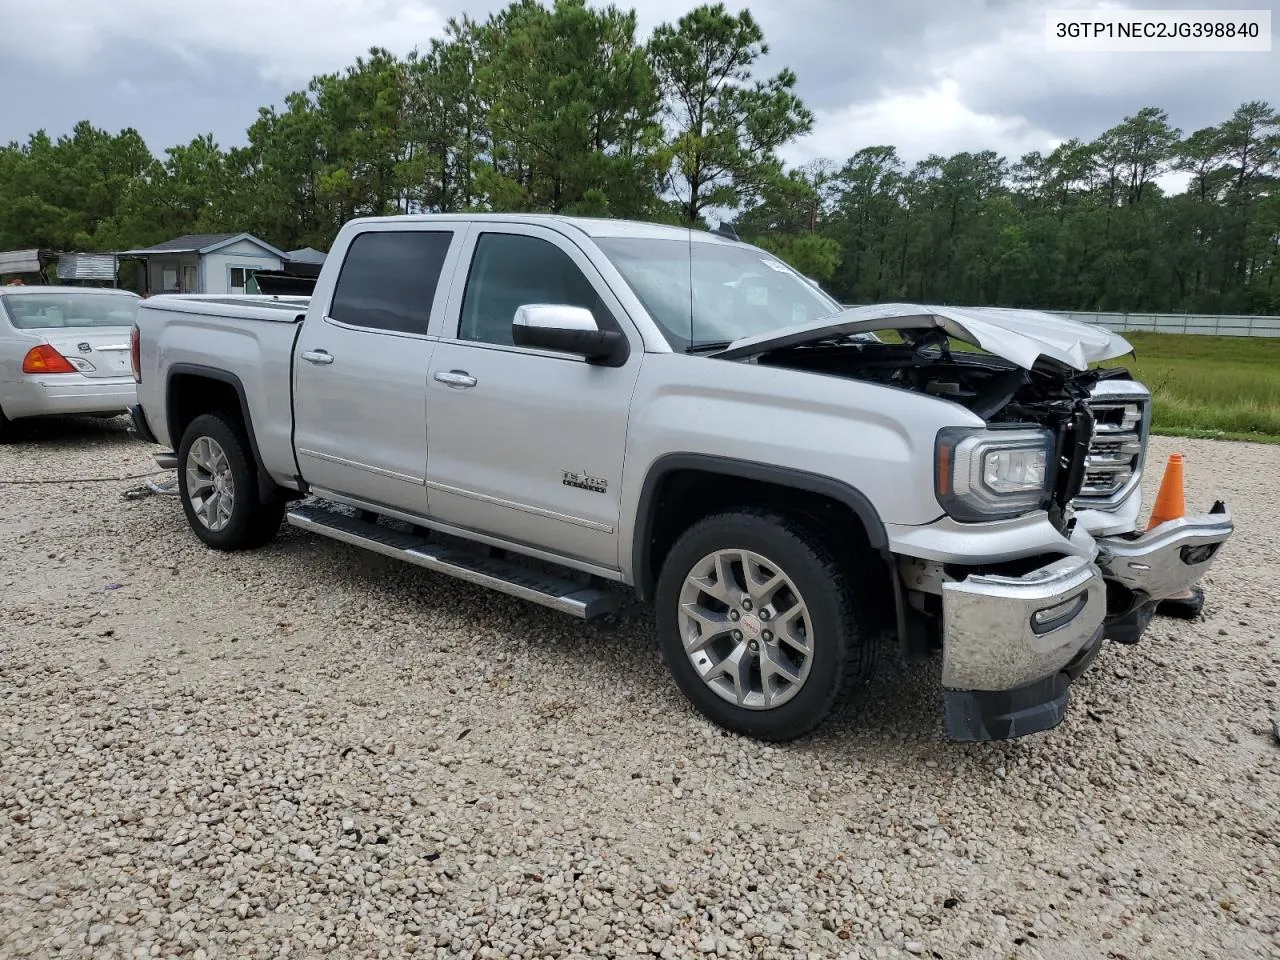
x,y
244,306
251,339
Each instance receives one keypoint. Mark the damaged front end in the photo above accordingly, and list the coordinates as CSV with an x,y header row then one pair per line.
x,y
1142,569
1018,586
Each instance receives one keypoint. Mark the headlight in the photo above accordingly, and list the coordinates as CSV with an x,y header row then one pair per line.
x,y
992,474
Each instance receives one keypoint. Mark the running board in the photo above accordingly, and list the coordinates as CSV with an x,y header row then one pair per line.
x,y
558,593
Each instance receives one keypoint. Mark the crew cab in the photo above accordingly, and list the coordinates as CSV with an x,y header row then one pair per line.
x,y
558,407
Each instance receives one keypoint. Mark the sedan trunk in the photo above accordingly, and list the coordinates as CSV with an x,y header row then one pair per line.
x,y
94,351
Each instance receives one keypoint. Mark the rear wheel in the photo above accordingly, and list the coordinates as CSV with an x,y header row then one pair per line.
x,y
218,483
761,626
6,428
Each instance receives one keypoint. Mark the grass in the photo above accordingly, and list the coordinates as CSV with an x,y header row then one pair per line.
x,y
1221,387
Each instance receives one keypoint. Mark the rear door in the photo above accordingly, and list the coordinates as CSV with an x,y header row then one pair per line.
x,y
360,369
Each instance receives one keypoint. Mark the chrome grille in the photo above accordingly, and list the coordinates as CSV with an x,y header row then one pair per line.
x,y
1121,410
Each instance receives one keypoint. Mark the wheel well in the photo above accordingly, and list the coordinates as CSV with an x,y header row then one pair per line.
x,y
193,394
683,497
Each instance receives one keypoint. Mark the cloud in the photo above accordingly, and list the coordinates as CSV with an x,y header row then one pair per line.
x,y
918,123
990,83
288,42
928,76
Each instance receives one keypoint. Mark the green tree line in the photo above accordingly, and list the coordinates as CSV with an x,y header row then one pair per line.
x,y
563,108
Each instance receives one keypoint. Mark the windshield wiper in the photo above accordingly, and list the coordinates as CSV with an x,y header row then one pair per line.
x,y
707,346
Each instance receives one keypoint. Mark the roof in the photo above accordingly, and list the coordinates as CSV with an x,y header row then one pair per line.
x,y
592,226
201,243
306,255
23,290
191,243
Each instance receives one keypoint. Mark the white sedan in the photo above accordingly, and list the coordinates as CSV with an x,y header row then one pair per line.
x,y
65,350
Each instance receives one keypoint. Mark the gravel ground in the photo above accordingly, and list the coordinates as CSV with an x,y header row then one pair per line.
x,y
309,750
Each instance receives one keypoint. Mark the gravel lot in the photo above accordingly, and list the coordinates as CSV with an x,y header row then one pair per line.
x,y
311,750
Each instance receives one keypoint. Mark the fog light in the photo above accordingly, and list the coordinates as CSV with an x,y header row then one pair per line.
x,y
1042,621
1199,554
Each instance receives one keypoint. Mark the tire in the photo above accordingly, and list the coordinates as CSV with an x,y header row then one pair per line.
x,y
6,428
837,624
248,521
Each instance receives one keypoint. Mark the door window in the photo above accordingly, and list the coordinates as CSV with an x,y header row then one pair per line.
x,y
388,280
509,270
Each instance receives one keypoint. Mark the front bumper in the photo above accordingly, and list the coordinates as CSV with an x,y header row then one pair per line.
x,y
66,394
1012,644
1003,632
1167,560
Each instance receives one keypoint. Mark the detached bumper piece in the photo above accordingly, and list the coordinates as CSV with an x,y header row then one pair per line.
x,y
1012,645
1167,560
1156,570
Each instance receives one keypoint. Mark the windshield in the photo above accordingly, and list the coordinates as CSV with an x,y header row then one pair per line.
x,y
703,294
38,311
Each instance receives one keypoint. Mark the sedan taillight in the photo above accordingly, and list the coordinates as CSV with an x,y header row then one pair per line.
x,y
135,353
46,359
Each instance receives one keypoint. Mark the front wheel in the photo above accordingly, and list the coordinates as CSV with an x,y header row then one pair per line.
x,y
761,626
218,483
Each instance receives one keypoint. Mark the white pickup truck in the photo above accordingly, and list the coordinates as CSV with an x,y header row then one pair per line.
x,y
546,406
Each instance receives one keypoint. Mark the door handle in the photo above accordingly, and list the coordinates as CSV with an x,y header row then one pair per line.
x,y
456,378
317,356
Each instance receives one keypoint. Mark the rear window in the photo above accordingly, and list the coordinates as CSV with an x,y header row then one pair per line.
x,y
389,279
37,311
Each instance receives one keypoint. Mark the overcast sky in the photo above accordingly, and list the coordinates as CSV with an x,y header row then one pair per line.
x,y
929,76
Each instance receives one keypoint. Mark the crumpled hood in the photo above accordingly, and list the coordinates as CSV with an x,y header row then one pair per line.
x,y
1019,336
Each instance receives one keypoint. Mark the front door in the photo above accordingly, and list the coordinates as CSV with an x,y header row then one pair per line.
x,y
360,371
189,282
527,445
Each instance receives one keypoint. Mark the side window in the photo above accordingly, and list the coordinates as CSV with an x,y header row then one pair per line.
x,y
389,278
510,270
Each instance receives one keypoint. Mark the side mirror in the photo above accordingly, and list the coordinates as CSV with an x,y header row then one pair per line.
x,y
565,329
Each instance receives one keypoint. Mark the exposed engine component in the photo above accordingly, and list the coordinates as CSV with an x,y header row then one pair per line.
x,y
1050,395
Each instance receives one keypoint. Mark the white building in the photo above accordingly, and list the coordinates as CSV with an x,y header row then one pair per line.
x,y
207,263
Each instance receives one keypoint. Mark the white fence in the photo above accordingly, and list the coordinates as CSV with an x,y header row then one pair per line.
x,y
1209,324
1218,326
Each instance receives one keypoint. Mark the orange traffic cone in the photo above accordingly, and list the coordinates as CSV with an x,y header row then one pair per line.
x,y
1170,504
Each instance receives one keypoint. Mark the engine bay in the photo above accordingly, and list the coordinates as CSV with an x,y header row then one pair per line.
x,y
1050,395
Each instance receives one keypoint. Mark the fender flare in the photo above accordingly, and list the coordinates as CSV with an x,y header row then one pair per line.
x,y
266,485
646,507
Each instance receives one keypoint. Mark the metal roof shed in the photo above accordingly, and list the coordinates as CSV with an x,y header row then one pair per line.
x,y
98,267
